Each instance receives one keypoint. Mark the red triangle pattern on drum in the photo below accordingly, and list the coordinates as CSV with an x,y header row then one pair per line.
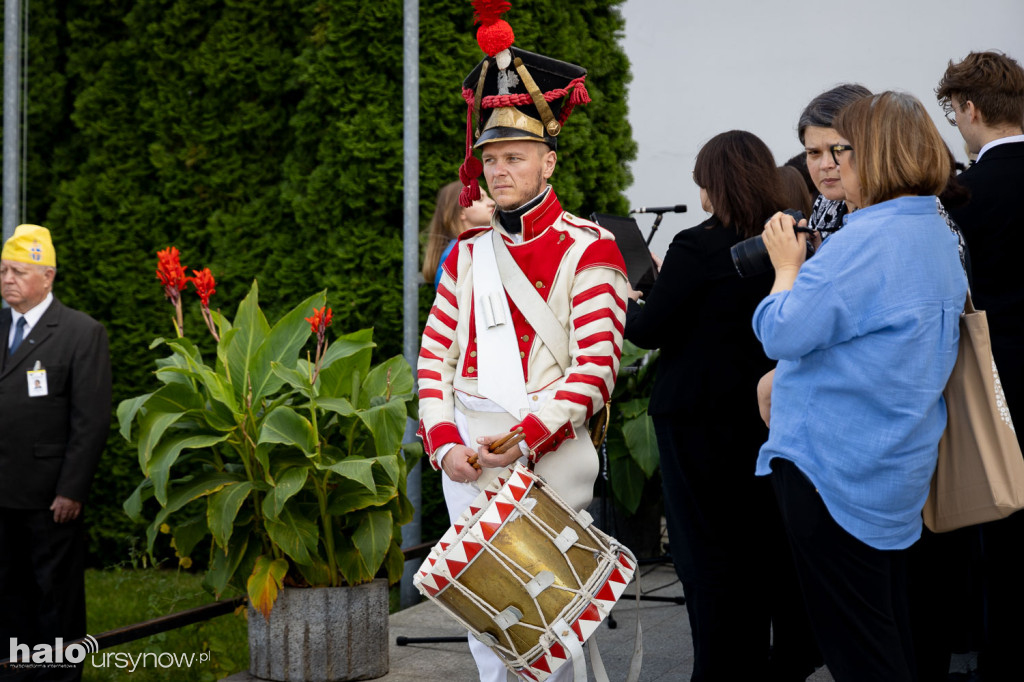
x,y
606,593
473,511
489,528
444,545
523,672
616,576
542,664
458,529
591,613
517,492
557,651
490,494
472,549
504,509
456,567
576,628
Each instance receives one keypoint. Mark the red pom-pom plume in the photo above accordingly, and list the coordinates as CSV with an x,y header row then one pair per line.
x,y
495,33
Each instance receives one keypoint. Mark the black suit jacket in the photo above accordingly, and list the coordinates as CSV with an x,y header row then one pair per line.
x,y
50,445
699,314
993,227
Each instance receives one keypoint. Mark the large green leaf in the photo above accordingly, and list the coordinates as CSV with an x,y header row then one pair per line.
x,y
349,496
281,345
222,508
338,405
346,356
285,425
372,537
167,453
395,371
350,561
152,426
394,563
133,505
317,573
392,467
296,535
187,534
251,331
222,351
358,469
387,425
220,389
224,564
642,442
126,411
204,484
285,486
627,482
266,581
292,377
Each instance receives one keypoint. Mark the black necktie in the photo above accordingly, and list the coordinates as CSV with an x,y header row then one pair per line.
x,y
19,333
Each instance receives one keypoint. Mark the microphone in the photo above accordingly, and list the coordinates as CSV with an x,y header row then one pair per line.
x,y
678,208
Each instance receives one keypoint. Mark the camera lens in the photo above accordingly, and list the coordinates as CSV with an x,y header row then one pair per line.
x,y
750,257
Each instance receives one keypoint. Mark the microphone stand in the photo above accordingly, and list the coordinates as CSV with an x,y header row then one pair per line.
x,y
654,227
660,213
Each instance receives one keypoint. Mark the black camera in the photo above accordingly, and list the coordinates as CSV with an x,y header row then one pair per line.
x,y
750,256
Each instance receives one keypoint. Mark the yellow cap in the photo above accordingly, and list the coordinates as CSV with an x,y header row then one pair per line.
x,y
30,244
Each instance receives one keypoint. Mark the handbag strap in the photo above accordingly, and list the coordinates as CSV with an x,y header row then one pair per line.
x,y
969,304
534,308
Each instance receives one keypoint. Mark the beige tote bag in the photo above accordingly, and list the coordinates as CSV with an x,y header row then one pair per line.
x,y
979,476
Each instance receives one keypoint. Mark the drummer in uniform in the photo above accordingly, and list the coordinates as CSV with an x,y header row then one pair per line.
x,y
526,329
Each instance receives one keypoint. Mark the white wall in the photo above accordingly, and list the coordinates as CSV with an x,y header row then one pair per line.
x,y
701,68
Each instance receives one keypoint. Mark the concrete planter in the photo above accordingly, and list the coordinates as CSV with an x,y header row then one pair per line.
x,y
322,634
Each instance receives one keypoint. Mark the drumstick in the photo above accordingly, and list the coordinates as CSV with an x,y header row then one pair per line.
x,y
500,446
503,445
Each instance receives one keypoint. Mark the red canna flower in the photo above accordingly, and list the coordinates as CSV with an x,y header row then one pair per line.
x,y
320,321
170,271
172,275
204,284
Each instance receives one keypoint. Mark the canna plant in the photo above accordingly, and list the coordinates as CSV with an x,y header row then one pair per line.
x,y
286,467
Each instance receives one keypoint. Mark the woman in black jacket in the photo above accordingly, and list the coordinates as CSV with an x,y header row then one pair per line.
x,y
724,532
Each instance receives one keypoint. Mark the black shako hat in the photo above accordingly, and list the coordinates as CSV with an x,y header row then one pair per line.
x,y
515,94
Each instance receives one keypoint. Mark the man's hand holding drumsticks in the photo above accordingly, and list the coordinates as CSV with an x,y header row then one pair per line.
x,y
498,451
463,465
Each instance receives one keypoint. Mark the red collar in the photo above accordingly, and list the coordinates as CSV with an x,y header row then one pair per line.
x,y
540,217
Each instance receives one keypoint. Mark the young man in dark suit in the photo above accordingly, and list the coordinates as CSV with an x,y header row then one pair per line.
x,y
983,96
55,388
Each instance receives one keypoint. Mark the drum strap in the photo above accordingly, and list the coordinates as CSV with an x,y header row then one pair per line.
x,y
636,662
572,645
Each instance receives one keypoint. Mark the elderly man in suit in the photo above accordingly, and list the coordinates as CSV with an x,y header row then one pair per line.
x,y
54,417
983,96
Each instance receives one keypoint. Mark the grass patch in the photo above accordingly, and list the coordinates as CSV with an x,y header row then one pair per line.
x,y
120,596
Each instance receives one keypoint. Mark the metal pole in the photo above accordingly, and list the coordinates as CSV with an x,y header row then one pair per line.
x,y
12,114
410,281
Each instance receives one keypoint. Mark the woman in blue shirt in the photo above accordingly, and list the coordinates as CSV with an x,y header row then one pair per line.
x,y
866,335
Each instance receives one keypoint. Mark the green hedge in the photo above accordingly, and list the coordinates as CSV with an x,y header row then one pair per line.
x,y
264,139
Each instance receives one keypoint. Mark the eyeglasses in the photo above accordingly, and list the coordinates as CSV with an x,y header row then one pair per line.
x,y
950,116
838,149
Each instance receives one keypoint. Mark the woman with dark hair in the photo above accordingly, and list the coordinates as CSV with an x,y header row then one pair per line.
x,y
814,128
725,536
448,222
866,337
